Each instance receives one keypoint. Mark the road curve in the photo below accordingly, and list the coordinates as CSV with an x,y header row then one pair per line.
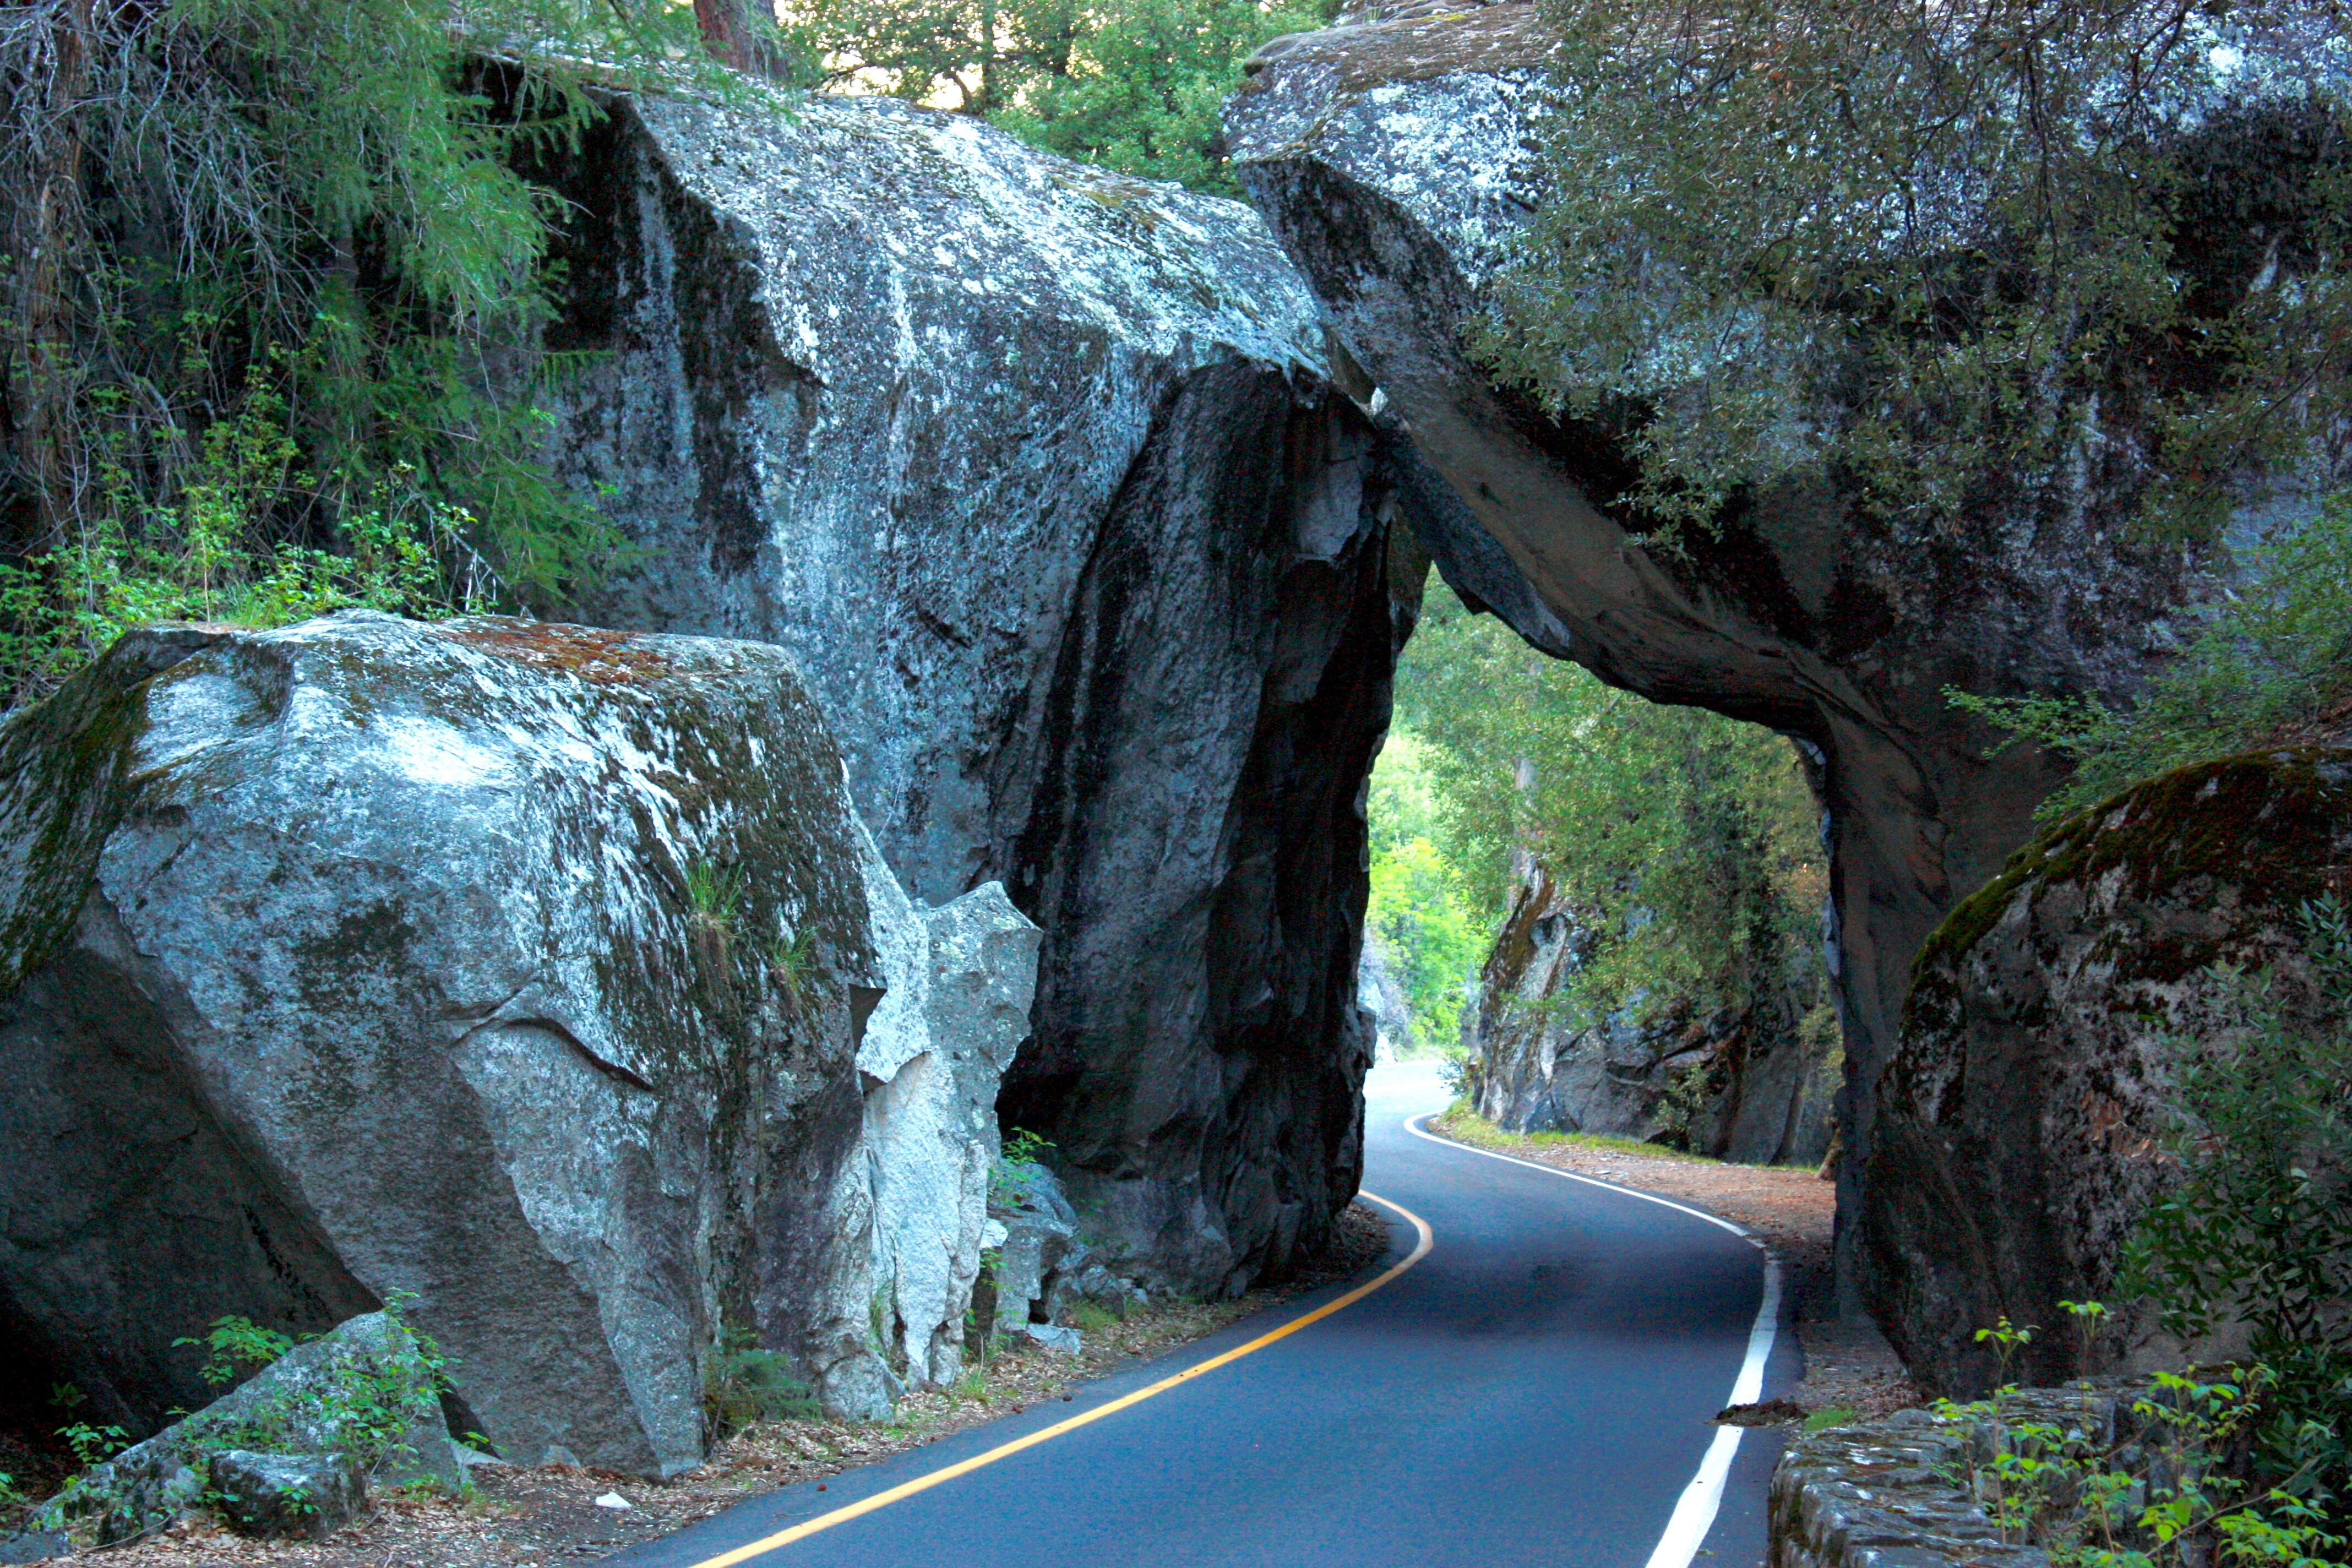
x,y
1535,1391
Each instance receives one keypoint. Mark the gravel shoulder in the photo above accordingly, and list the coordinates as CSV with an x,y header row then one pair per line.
x,y
536,1517
1849,1367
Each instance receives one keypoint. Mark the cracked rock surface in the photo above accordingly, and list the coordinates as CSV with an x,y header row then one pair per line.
x,y
1036,474
364,956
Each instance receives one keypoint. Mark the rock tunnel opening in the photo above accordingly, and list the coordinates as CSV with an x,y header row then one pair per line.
x,y
1605,914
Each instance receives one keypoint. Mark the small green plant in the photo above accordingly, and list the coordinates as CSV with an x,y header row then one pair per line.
x,y
714,899
1092,1317
743,1382
791,962
2007,1338
714,892
1017,1167
2164,1494
1823,1420
94,1445
239,1348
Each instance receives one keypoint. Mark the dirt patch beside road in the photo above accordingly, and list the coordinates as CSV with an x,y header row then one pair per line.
x,y
539,1517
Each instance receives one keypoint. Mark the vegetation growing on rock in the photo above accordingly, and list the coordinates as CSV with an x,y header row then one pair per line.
x,y
2030,256
267,274
2274,663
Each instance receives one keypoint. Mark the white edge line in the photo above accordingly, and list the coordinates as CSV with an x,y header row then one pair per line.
x,y
1695,1509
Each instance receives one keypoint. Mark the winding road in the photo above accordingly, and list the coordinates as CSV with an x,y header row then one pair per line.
x,y
1533,1388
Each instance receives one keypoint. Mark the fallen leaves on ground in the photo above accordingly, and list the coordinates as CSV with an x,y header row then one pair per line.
x,y
538,1518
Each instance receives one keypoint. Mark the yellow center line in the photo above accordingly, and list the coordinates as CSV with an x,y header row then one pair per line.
x,y
925,1482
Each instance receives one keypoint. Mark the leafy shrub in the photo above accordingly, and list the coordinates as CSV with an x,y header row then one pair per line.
x,y
273,275
1133,84
2162,1492
1017,1167
2258,1230
2278,654
743,1383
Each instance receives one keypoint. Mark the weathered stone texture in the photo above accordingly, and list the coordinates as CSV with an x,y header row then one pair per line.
x,y
1395,158
2024,1109
1035,473
959,981
1882,1494
364,956
1756,1092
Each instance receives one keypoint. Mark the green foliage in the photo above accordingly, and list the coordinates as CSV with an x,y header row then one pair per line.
x,y
1133,85
793,965
366,1404
714,894
1017,1167
1689,843
91,1444
2278,654
1940,254
1431,929
239,1347
272,286
742,1383
2258,1230
2166,1497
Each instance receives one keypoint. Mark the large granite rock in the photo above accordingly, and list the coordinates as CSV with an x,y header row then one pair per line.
x,y
2022,1114
1394,157
366,956
1035,473
1758,1088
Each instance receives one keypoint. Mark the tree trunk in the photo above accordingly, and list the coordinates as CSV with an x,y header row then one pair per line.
x,y
732,37
44,234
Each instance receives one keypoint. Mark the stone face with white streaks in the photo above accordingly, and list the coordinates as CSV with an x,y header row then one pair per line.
x,y
364,956
1036,473
960,980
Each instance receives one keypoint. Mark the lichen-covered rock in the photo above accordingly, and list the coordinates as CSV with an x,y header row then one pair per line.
x,y
1395,158
364,956
366,1394
2022,1114
283,1496
960,979
1736,1088
1035,471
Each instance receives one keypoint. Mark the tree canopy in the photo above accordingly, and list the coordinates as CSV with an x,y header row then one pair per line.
x,y
1133,85
1944,254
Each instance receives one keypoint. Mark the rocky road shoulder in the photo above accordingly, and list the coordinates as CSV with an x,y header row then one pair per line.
x,y
536,1517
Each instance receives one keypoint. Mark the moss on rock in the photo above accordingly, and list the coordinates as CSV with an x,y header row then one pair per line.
x,y
2024,1106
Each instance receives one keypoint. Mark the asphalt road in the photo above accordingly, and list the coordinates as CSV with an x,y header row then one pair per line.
x,y
1534,1390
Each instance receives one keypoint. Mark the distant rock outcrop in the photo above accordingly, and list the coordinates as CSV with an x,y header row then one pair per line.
x,y
2023,1111
517,967
1035,472
1757,1090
